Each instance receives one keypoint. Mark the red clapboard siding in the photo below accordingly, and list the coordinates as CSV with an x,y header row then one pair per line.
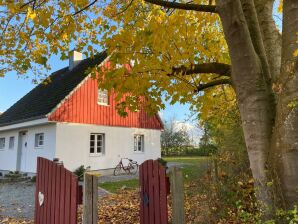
x,y
59,187
153,183
82,107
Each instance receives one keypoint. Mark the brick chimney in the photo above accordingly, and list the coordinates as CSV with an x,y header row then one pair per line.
x,y
75,58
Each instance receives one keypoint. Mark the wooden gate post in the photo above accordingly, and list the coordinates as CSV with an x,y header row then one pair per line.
x,y
90,198
177,193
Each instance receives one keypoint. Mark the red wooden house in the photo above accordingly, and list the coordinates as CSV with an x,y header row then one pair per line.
x,y
71,119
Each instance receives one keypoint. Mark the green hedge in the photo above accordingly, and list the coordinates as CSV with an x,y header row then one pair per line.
x,y
206,150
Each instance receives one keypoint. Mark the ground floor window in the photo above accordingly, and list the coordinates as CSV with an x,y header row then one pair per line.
x,y
97,144
39,140
139,143
2,143
11,142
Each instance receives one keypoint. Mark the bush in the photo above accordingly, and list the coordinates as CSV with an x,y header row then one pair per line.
x,y
162,162
79,172
206,150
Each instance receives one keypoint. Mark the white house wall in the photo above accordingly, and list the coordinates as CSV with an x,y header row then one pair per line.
x,y
73,142
8,157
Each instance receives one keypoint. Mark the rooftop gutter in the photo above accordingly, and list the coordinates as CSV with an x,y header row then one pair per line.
x,y
24,123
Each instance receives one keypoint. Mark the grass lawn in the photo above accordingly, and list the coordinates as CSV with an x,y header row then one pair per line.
x,y
115,186
193,169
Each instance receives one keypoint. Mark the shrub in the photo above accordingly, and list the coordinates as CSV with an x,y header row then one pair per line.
x,y
79,172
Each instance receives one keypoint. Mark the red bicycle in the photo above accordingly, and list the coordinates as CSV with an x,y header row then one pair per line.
x,y
131,167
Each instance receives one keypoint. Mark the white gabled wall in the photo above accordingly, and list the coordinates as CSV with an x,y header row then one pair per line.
x,y
73,141
8,157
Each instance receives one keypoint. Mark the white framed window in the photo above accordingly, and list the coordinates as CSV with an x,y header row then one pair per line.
x,y
103,97
39,140
139,143
2,143
11,142
97,144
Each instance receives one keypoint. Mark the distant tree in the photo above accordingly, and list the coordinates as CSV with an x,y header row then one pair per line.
x,y
173,137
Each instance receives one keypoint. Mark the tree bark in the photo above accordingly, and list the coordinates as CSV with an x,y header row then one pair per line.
x,y
271,36
287,114
252,92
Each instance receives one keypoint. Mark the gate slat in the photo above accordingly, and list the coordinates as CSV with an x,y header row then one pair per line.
x,y
49,193
67,197
36,213
151,191
163,195
53,194
141,193
156,192
46,188
58,184
41,189
146,207
73,199
62,195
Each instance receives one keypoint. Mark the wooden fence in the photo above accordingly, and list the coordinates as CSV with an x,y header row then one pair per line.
x,y
56,197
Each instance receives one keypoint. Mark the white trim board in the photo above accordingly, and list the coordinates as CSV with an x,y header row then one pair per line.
x,y
25,124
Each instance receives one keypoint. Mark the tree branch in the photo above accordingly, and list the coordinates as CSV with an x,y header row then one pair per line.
x,y
184,6
213,67
213,83
86,7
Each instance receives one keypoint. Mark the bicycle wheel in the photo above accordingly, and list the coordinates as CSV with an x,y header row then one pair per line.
x,y
133,168
117,170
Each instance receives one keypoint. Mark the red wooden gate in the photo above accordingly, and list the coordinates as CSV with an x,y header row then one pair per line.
x,y
153,183
56,194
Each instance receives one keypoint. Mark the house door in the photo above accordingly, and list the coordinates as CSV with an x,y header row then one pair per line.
x,y
23,151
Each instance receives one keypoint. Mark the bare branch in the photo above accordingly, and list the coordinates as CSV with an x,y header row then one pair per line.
x,y
84,8
27,3
213,67
184,6
213,83
126,7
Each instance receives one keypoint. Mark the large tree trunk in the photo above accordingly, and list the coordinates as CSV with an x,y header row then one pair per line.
x,y
266,85
287,112
254,99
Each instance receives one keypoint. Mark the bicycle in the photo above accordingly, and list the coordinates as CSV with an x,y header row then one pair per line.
x,y
131,168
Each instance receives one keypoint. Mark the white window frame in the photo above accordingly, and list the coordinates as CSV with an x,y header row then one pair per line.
x,y
139,143
94,140
11,142
103,97
2,143
39,140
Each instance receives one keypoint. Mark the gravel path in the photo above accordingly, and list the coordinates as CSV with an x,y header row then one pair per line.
x,y
17,199
103,179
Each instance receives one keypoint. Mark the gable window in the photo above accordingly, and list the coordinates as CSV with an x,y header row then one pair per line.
x,y
97,144
39,140
11,142
103,97
2,143
139,143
